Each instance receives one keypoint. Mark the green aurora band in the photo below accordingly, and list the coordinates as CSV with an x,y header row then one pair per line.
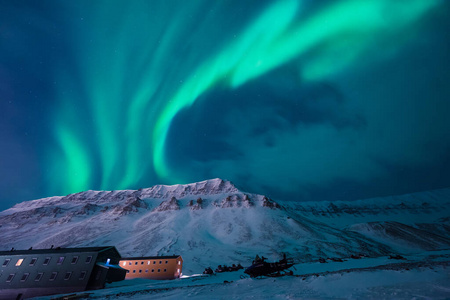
x,y
347,28
130,82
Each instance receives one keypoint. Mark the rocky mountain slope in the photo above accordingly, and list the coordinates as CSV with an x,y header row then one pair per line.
x,y
213,222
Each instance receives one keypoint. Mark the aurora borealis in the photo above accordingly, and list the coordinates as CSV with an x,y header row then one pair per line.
x,y
297,99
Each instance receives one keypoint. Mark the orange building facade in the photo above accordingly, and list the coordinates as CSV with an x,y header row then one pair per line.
x,y
153,267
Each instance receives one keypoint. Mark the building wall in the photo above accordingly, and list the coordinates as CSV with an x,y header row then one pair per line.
x,y
44,273
156,268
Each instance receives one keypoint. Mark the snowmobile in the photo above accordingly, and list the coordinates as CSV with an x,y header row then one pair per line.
x,y
275,269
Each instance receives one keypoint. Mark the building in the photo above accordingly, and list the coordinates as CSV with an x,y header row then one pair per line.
x,y
153,267
31,273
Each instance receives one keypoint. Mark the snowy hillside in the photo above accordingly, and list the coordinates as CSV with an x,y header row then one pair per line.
x,y
212,222
407,223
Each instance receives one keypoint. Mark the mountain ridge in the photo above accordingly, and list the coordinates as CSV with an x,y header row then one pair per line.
x,y
212,218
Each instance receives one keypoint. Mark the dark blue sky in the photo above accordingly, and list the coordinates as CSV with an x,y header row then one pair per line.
x,y
299,100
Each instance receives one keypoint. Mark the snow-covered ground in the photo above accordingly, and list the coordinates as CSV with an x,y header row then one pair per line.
x,y
425,276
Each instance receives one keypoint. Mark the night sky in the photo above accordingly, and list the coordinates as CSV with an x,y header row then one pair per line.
x,y
298,99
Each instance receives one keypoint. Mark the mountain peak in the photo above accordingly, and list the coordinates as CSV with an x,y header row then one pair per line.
x,y
206,187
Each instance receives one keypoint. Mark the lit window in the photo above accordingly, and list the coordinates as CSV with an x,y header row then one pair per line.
x,y
33,261
60,260
82,275
24,277
46,261
74,260
19,262
6,262
148,262
53,276
124,263
67,276
88,259
38,276
179,262
10,277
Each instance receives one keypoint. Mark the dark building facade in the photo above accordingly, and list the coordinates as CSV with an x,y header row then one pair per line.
x,y
31,273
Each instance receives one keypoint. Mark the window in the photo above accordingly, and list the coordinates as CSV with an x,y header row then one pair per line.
x,y
88,259
33,261
146,271
38,276
53,276
153,270
124,264
10,277
165,270
140,271
160,262
148,262
135,263
24,277
6,262
154,262
19,262
82,275
134,271
108,261
60,260
159,270
167,262
130,263
142,262
46,261
74,260
179,262
67,276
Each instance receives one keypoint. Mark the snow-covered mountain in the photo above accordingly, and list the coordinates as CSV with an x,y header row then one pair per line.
x,y
212,222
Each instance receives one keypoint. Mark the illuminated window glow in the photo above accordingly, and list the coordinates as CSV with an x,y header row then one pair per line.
x,y
19,262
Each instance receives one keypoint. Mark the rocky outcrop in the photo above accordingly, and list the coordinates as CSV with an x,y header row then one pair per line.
x,y
236,200
270,203
197,205
131,205
168,205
